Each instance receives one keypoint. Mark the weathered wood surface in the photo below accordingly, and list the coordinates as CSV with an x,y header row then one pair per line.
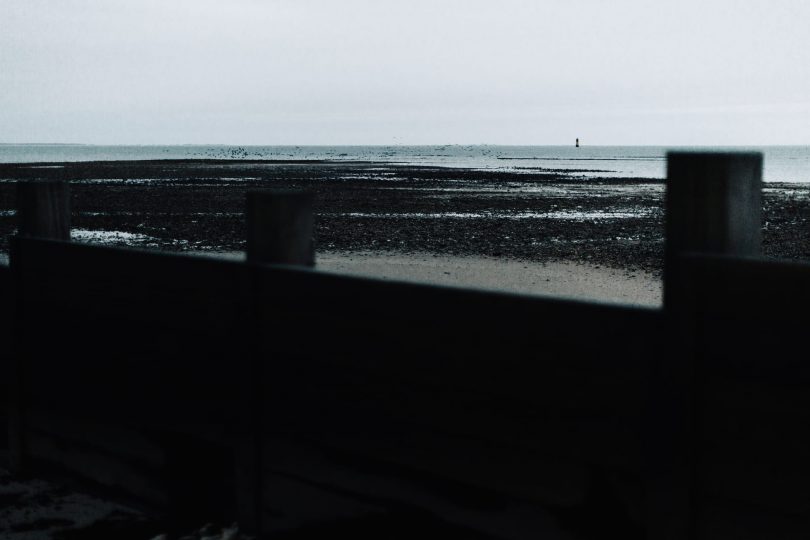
x,y
455,392
713,205
499,418
138,318
43,209
474,390
280,227
754,396
6,368
151,345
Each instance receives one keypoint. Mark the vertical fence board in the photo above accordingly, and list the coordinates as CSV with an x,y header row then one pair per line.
x,y
6,366
713,205
43,211
280,227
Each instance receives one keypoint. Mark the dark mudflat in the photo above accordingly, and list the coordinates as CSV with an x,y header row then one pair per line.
x,y
532,214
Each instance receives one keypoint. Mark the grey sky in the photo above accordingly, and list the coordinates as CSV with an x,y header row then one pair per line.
x,y
724,72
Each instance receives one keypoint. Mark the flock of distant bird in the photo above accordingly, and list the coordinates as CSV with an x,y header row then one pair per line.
x,y
228,153
297,152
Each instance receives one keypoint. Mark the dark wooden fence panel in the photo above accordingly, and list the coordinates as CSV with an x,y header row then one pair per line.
x,y
367,399
6,309
312,400
474,390
754,396
136,318
136,370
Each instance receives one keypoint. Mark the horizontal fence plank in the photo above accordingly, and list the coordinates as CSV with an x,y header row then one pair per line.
x,y
492,391
151,330
319,484
754,387
97,467
761,300
6,311
132,445
487,354
407,376
735,519
141,346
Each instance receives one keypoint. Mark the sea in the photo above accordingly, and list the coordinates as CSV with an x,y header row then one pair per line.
x,y
781,163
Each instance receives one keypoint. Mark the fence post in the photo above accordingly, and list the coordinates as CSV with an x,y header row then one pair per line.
x,y
43,211
280,226
713,206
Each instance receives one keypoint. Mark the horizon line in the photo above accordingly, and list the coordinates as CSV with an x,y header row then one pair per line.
x,y
293,145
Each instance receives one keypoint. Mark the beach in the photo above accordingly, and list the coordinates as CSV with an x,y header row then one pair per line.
x,y
531,233
570,280
537,231
394,270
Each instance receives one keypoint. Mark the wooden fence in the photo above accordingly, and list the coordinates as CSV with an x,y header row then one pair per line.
x,y
295,400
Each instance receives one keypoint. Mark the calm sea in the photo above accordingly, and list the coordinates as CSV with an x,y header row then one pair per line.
x,y
782,163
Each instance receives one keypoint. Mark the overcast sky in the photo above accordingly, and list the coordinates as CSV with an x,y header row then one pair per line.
x,y
727,72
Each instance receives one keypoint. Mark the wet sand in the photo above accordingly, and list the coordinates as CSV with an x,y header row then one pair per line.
x,y
574,281
560,279
36,509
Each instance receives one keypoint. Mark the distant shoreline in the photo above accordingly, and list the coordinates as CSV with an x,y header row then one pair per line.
x,y
781,163
421,145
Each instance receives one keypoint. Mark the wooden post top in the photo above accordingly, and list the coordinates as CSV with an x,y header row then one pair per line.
x,y
280,227
43,209
713,205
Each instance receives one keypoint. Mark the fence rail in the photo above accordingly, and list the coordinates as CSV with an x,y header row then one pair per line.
x,y
312,399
